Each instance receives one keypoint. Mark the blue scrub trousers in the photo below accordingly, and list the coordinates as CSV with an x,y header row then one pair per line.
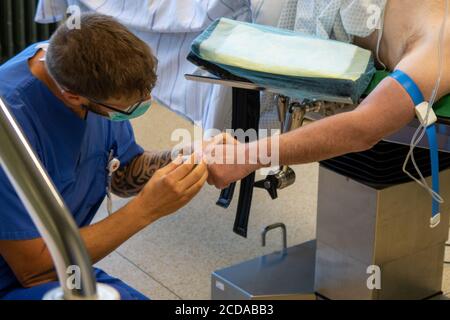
x,y
37,292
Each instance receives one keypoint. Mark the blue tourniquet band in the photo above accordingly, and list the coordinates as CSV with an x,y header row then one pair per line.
x,y
416,95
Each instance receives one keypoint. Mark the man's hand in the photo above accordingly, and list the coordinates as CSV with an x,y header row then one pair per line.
x,y
171,188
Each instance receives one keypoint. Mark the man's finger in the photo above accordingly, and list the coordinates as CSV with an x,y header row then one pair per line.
x,y
185,168
194,176
171,166
223,138
196,187
229,139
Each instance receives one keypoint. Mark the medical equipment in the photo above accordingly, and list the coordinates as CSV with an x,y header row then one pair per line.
x,y
364,219
113,166
292,116
380,38
48,211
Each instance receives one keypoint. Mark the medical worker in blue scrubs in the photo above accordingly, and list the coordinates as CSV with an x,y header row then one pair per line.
x,y
73,97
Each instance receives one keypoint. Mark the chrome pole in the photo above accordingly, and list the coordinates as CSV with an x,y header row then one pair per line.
x,y
46,208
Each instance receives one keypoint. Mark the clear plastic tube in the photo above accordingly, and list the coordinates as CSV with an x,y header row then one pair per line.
x,y
380,38
421,130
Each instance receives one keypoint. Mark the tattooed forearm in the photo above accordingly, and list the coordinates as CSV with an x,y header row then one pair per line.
x,y
129,180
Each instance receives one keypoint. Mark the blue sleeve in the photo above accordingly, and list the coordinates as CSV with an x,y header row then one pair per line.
x,y
123,139
15,221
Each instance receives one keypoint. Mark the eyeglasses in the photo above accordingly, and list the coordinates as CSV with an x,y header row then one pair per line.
x,y
128,111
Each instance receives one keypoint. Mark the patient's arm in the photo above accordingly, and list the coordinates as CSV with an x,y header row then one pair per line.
x,y
129,180
385,111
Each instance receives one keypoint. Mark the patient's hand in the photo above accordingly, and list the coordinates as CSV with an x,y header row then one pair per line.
x,y
201,147
227,163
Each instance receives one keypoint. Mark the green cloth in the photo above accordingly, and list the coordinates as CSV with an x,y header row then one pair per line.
x,y
441,108
280,52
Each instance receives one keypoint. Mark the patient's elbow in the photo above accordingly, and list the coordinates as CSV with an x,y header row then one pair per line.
x,y
366,143
364,134
365,139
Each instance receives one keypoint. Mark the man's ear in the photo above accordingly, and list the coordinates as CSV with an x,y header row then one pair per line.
x,y
73,99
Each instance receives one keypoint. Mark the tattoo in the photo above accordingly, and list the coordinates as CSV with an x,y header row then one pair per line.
x,y
129,180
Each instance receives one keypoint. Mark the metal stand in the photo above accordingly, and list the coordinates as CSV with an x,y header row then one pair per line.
x,y
377,244
104,292
284,275
371,245
291,115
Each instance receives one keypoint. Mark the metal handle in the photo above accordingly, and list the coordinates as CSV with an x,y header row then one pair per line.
x,y
45,206
273,227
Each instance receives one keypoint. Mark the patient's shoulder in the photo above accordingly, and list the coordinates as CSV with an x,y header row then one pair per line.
x,y
422,63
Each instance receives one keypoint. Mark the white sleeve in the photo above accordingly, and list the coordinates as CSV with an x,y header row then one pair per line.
x,y
267,12
193,15
50,11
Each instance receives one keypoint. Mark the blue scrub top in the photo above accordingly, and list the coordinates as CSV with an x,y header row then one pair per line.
x,y
74,151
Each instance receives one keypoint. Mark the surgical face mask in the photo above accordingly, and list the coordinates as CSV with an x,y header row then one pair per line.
x,y
140,111
120,116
